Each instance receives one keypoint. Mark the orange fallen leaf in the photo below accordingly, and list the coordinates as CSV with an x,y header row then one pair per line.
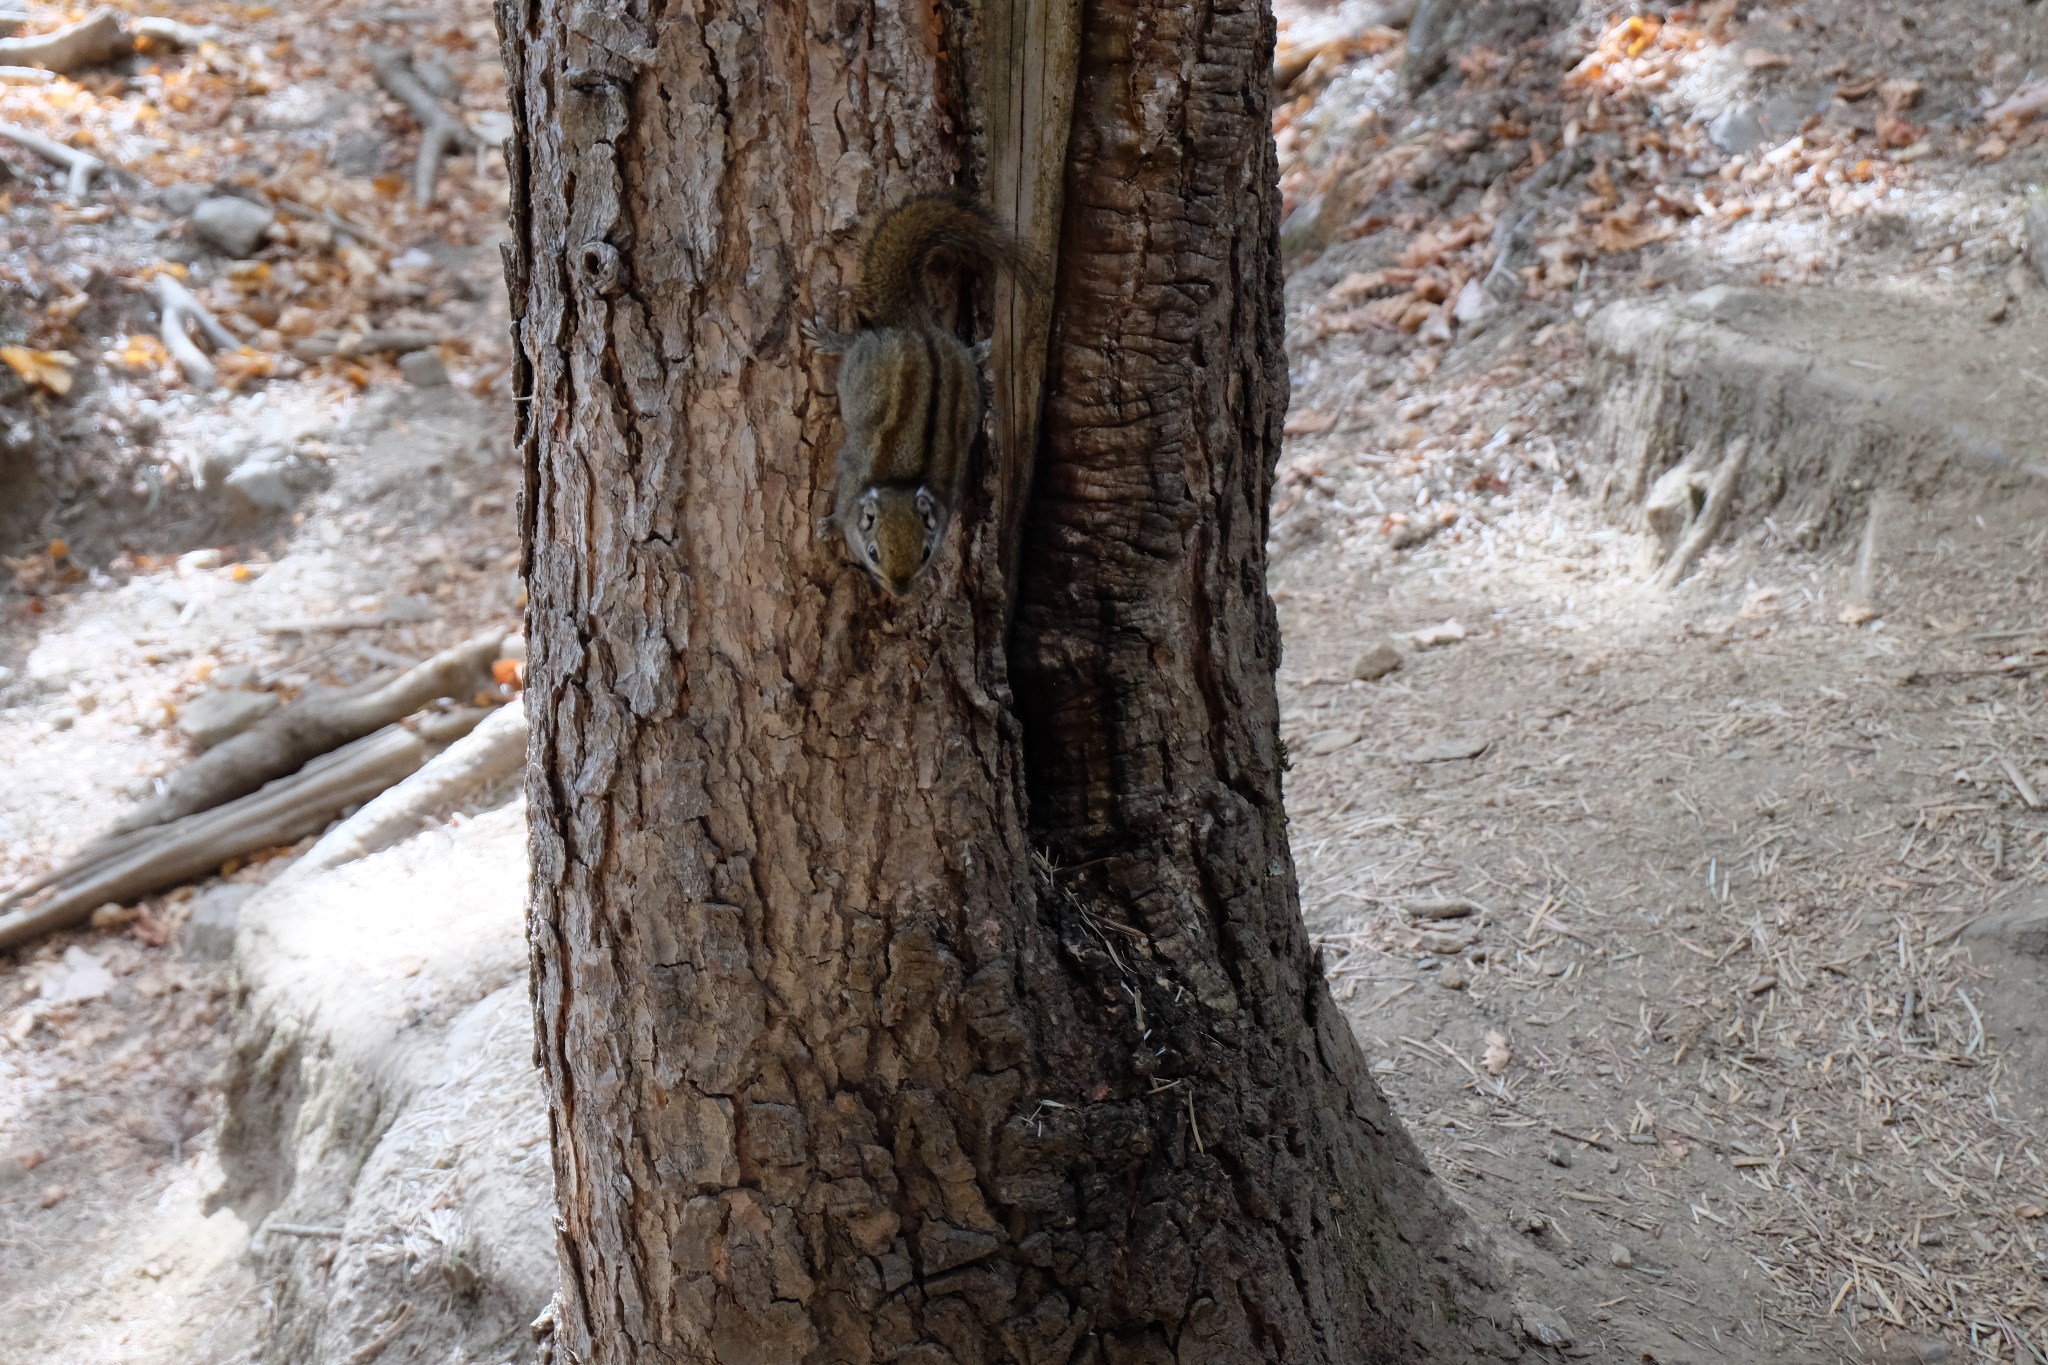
x,y
238,367
47,370
249,277
59,549
139,352
509,672
1616,234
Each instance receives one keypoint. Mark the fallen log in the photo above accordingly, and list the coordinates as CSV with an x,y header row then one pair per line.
x,y
493,751
279,812
285,739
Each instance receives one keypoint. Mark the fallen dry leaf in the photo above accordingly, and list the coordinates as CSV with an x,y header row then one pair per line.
x,y
1899,95
1758,59
1497,1054
46,370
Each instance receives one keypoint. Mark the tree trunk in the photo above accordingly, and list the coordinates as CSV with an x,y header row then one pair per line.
x,y
914,984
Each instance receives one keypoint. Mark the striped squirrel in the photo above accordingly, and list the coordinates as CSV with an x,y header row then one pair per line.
x,y
911,394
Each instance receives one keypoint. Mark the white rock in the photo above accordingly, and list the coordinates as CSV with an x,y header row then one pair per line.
x,y
77,976
232,224
258,486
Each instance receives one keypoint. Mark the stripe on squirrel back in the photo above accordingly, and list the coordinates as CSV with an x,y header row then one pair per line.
x,y
898,252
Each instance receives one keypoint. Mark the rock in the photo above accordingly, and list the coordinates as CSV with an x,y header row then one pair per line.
x,y
1453,978
257,486
63,718
1447,751
1376,662
235,675
1619,1256
358,153
1544,1326
1444,633
1438,907
77,976
423,369
183,199
232,224
1330,741
218,461
210,931
2036,220
223,713
1739,129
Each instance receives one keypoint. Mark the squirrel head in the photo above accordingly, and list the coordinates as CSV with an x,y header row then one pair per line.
x,y
894,532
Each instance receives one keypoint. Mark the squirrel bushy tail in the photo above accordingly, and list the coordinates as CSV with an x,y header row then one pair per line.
x,y
892,264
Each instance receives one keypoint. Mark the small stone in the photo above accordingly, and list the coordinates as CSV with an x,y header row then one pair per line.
x,y
1531,1224
258,486
232,224
223,713
1376,662
235,675
1330,741
63,718
1558,1155
1619,1256
358,153
218,461
183,199
1738,131
210,932
1443,633
1454,979
113,915
1544,1326
423,369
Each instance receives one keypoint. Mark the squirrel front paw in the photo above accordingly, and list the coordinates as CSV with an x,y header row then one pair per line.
x,y
822,338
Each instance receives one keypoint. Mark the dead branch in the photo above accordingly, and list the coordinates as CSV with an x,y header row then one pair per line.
x,y
25,75
179,307
279,813
311,726
440,131
1713,515
349,344
82,166
96,39
491,752
335,221
2025,102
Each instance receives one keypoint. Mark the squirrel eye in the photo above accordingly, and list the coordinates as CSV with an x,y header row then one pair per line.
x,y
874,554
927,555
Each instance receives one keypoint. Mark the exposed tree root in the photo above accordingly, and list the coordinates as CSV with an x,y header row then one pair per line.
x,y
492,752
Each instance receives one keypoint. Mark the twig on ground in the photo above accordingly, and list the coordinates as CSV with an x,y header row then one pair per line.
x,y
25,75
335,221
179,307
440,131
82,166
383,1339
350,344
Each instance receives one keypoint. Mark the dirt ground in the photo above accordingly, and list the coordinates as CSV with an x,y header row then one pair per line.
x,y
1735,1040
1690,937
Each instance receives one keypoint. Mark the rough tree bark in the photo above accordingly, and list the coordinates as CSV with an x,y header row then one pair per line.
x,y
915,982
